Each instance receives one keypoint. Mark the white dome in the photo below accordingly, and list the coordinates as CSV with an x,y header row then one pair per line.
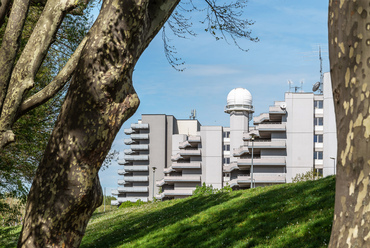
x,y
239,96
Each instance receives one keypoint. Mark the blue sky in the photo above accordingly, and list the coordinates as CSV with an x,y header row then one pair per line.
x,y
290,32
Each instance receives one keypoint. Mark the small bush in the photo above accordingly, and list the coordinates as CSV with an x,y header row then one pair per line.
x,y
307,176
128,204
209,190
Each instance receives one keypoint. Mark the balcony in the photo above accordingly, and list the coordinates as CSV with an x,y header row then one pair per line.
x,y
274,161
131,199
137,157
261,118
240,151
124,162
259,178
266,143
271,127
184,144
178,179
129,151
140,136
136,178
121,182
231,167
181,166
136,168
190,152
121,172
176,192
139,147
132,189
136,126
194,139
276,109
128,131
128,141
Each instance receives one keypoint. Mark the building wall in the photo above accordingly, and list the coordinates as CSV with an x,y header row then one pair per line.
x,y
300,129
211,137
330,135
239,123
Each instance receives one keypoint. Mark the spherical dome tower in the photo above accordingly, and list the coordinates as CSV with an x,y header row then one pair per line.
x,y
239,99
239,107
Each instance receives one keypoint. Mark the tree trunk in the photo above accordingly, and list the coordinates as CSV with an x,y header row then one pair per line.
x,y
66,189
349,43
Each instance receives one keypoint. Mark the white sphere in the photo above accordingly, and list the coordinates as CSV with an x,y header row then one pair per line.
x,y
239,96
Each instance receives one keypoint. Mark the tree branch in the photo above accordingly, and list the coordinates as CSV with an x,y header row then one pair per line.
x,y
56,85
4,8
32,57
10,44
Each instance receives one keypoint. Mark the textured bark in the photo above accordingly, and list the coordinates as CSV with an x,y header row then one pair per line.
x,y
66,189
349,48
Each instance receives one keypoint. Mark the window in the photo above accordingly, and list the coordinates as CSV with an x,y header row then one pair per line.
x,y
226,160
318,155
318,138
226,147
319,172
318,104
319,121
226,134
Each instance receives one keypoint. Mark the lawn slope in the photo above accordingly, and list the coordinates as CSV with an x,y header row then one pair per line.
x,y
289,215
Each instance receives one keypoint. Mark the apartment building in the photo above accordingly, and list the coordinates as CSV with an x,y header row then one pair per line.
x,y
168,157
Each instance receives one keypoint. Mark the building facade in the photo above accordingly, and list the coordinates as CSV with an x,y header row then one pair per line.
x,y
168,158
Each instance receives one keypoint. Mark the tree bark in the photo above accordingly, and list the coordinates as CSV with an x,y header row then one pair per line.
x,y
66,189
349,43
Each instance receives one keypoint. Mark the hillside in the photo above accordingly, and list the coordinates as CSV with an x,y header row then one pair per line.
x,y
289,215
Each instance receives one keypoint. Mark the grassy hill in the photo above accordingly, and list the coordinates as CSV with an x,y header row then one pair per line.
x,y
288,215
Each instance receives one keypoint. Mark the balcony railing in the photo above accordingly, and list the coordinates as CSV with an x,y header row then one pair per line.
x,y
132,189
121,172
128,141
271,126
130,199
139,125
139,136
231,167
121,182
262,117
194,139
240,151
176,192
139,147
182,166
275,161
128,131
124,162
136,168
129,151
136,178
276,109
272,144
174,179
136,157
190,152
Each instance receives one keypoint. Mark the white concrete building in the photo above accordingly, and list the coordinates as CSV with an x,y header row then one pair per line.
x,y
168,158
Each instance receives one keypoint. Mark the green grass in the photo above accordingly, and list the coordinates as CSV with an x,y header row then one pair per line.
x,y
288,215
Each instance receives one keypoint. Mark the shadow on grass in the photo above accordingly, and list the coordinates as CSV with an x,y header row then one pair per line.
x,y
9,236
298,215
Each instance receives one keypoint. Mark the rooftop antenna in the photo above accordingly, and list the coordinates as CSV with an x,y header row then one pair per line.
x,y
318,85
296,88
193,114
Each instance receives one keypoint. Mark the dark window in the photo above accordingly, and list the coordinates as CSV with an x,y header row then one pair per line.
x,y
318,104
226,147
318,155
226,134
226,160
319,121
318,138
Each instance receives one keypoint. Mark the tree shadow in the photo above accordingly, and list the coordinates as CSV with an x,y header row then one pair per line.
x,y
297,215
